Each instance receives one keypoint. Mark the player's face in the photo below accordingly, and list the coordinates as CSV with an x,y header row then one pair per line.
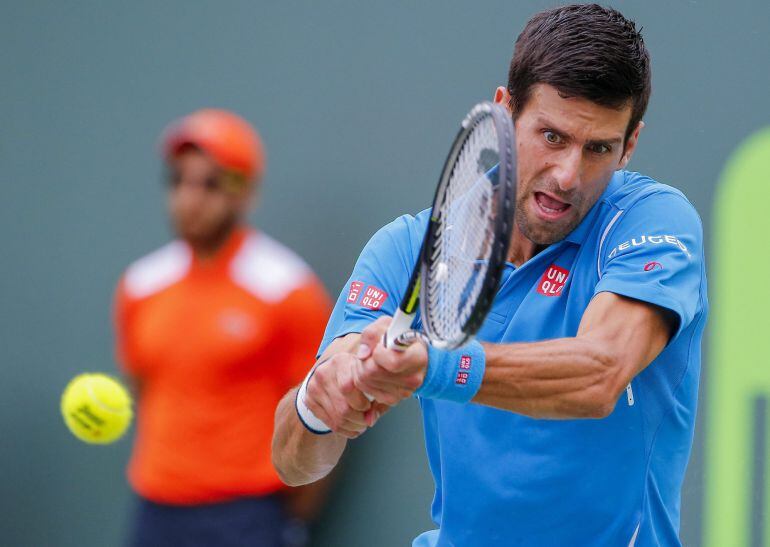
x,y
568,149
202,208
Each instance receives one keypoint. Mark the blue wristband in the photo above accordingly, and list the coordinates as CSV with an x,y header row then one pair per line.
x,y
454,375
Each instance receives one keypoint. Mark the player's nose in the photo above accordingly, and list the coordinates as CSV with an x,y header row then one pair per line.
x,y
567,170
189,195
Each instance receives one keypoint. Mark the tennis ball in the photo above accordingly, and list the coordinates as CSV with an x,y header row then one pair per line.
x,y
96,408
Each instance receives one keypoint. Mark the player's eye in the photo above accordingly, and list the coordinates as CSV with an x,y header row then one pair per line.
x,y
211,183
552,137
600,149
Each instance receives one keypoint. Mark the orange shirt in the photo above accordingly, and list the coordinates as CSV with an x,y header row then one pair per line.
x,y
213,346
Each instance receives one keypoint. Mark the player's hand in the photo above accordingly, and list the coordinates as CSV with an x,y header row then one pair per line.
x,y
334,398
389,375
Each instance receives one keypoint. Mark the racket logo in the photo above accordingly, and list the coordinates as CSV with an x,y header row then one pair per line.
x,y
553,281
355,291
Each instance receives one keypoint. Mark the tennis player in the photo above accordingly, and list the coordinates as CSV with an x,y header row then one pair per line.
x,y
570,421
203,324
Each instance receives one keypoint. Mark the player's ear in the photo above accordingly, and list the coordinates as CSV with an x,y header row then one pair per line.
x,y
631,143
502,96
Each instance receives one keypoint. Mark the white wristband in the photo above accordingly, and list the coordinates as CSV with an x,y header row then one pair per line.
x,y
306,416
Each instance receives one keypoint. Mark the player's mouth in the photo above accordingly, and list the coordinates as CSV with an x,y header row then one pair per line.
x,y
550,208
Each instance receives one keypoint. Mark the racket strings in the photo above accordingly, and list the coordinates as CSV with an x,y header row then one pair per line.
x,y
460,255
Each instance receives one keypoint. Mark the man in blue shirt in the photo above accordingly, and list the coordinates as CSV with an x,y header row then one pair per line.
x,y
580,425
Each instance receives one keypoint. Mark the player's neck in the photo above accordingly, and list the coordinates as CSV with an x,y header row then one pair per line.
x,y
206,249
522,248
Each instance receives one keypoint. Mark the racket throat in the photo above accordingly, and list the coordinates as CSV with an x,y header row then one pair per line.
x,y
402,322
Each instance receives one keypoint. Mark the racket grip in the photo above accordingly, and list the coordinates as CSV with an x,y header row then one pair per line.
x,y
402,323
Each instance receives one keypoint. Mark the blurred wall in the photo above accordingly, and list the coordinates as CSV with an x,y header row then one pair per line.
x,y
357,103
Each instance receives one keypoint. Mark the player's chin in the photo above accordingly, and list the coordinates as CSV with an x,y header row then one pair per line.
x,y
544,232
194,231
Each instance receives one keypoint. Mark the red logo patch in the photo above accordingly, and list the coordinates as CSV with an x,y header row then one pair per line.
x,y
553,280
373,298
653,266
462,375
355,291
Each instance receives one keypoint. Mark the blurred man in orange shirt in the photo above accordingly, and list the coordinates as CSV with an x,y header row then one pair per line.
x,y
214,328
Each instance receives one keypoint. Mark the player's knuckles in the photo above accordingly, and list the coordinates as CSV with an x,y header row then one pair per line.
x,y
389,397
323,376
416,357
346,384
355,433
315,388
344,412
372,334
387,359
355,422
346,432
413,381
357,401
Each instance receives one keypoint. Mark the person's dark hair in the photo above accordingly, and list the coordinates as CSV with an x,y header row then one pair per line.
x,y
583,50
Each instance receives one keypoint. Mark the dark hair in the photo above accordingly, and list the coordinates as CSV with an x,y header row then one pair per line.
x,y
583,50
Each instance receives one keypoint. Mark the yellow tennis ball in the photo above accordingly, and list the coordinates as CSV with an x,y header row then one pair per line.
x,y
96,408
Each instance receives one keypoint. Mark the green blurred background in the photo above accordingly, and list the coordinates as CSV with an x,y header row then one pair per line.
x,y
357,104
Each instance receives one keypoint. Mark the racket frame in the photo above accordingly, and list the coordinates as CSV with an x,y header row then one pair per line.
x,y
407,309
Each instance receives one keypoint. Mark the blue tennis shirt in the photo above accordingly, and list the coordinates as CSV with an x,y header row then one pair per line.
x,y
506,479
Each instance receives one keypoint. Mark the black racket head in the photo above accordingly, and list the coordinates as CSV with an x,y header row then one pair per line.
x,y
469,232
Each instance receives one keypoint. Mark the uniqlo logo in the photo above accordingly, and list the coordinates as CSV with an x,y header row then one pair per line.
x,y
553,280
374,298
355,291
462,378
462,375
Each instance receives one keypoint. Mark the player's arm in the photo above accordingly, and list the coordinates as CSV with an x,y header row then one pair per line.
x,y
301,456
582,376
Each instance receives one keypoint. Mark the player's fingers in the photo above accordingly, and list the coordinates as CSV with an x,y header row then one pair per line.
x,y
414,358
358,401
349,433
373,414
355,423
318,403
347,386
349,419
389,396
372,335
384,357
416,352
397,387
372,374
329,405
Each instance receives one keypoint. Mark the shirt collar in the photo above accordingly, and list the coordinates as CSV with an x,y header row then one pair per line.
x,y
225,254
580,232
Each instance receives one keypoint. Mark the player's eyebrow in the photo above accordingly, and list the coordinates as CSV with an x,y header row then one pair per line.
x,y
608,141
613,141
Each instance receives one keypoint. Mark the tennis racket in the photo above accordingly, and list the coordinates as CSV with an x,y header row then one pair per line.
x,y
466,242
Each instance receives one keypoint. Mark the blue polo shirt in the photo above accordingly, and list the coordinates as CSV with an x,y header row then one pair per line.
x,y
506,479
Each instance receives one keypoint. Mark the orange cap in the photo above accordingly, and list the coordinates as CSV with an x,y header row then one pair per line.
x,y
229,139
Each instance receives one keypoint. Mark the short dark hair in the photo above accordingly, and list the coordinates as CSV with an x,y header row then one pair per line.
x,y
583,50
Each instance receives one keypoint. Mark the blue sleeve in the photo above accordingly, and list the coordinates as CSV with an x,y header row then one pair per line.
x,y
379,279
655,254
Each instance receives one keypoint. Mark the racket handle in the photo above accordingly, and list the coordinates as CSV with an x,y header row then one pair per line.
x,y
401,324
